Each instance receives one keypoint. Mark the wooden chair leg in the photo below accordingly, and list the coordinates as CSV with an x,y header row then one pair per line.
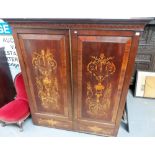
x,y
20,125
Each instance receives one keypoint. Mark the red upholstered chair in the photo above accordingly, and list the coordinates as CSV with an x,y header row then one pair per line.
x,y
17,110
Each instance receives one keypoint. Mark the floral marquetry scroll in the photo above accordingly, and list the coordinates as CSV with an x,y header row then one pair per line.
x,y
98,93
45,67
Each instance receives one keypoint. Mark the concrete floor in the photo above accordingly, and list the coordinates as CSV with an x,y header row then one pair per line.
x,y
141,123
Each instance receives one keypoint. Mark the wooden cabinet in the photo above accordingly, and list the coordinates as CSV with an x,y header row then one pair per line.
x,y
77,72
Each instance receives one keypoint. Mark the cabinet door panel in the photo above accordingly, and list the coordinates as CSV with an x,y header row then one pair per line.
x,y
46,59
99,65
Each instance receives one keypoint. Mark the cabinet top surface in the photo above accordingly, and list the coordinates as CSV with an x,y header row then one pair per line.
x,y
79,21
68,23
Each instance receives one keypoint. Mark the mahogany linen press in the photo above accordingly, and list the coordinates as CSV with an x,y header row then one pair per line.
x,y
77,71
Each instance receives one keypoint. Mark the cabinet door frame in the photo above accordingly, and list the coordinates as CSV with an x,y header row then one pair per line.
x,y
75,33
62,120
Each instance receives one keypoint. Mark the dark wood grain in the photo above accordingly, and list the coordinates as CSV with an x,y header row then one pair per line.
x,y
46,58
79,20
112,24
89,44
127,79
94,61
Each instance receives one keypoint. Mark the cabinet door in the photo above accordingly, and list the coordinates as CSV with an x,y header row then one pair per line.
x,y
101,78
44,57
